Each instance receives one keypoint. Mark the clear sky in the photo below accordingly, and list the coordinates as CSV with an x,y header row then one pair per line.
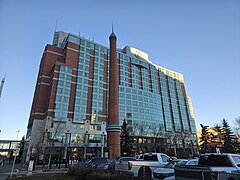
x,y
198,38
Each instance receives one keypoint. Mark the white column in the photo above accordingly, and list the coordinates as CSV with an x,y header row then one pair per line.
x,y
102,145
85,145
66,145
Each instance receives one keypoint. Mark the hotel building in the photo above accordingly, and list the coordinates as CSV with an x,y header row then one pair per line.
x,y
85,90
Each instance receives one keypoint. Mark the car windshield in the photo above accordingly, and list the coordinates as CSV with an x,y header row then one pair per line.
x,y
99,160
236,160
171,164
150,157
182,162
192,162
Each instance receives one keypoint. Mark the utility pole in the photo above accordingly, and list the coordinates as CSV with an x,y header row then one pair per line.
x,y
2,83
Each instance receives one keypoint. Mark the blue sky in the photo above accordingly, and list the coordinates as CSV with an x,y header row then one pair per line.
x,y
198,38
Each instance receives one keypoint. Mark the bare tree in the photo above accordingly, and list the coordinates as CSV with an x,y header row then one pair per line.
x,y
53,139
36,148
187,141
138,129
173,140
157,132
142,131
184,139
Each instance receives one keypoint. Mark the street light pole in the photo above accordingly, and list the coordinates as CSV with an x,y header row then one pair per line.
x,y
15,152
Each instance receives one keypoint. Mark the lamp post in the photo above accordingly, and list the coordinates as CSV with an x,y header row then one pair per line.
x,y
15,153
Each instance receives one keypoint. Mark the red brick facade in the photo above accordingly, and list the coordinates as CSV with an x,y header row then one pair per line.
x,y
90,86
150,80
46,85
46,88
105,86
71,60
140,77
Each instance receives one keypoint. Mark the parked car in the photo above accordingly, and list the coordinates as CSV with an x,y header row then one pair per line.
x,y
188,162
173,157
111,166
145,167
168,169
122,163
98,163
224,166
106,165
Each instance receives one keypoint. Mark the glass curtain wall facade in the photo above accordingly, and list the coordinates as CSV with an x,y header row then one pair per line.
x,y
97,88
149,95
148,98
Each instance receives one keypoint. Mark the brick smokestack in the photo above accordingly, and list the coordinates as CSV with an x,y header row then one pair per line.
x,y
113,127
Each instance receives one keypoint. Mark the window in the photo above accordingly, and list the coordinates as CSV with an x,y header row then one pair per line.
x,y
214,160
58,98
150,157
165,158
237,160
102,49
68,84
60,83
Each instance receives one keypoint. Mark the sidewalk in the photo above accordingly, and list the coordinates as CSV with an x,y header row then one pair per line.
x,y
21,170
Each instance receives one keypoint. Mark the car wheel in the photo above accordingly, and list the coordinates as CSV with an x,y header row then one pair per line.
x,y
145,172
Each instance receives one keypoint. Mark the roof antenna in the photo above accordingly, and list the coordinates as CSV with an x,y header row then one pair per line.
x,y
112,34
56,25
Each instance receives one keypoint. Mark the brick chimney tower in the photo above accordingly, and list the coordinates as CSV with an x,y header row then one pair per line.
x,y
113,128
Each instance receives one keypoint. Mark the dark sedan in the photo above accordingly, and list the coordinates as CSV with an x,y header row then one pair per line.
x,y
99,163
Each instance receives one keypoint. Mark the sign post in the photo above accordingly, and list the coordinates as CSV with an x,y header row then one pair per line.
x,y
30,167
15,155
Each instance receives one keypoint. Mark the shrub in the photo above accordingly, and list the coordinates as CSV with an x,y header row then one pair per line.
x,y
98,175
94,174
